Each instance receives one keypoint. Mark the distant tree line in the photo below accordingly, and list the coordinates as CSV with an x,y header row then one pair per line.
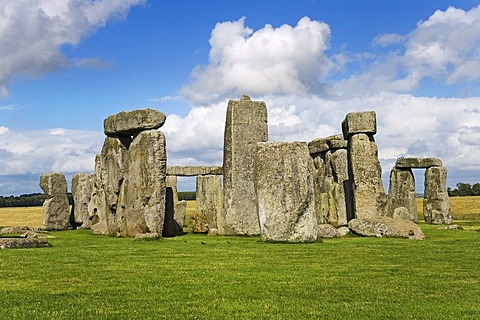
x,y
464,189
186,195
26,200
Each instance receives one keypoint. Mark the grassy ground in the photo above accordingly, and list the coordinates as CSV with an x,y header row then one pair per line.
x,y
199,277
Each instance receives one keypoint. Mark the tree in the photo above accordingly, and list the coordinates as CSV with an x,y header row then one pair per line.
x,y
476,189
464,189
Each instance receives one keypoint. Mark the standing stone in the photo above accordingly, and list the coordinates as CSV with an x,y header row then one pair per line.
x,y
82,187
110,170
178,214
369,198
142,197
321,198
56,210
246,124
338,160
209,202
436,204
401,193
284,186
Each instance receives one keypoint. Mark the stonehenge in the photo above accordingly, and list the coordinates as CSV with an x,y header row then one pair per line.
x,y
282,191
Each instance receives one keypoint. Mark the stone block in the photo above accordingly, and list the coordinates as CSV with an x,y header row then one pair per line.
x,y
209,204
386,227
193,171
359,122
401,193
56,209
418,162
82,187
284,186
129,123
436,203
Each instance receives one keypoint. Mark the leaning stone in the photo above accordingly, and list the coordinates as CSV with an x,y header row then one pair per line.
x,y
327,231
401,194
56,209
436,203
369,198
193,171
284,185
129,123
142,197
82,186
386,227
418,162
359,122
246,124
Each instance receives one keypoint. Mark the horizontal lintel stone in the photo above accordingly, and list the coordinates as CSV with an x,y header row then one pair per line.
x,y
324,144
129,123
418,162
192,171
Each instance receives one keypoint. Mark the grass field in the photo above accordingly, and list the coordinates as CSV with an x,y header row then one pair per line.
x,y
461,208
82,276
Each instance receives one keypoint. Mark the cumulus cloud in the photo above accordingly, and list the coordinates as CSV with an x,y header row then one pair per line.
x,y
32,33
283,60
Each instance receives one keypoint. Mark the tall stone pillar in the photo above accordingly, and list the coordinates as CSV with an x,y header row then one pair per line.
x,y
209,204
369,198
56,210
82,187
436,204
284,185
246,124
401,193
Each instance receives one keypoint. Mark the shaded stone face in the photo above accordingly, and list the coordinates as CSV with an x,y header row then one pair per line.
x,y
246,124
436,204
418,162
129,123
342,192
142,196
369,198
209,204
359,122
82,187
401,193
284,186
56,210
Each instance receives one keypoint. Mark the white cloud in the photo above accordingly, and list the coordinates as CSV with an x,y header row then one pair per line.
x,y
283,60
33,31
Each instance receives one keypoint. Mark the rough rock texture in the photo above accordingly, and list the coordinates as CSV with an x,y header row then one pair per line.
x,y
180,212
110,170
321,198
284,186
402,193
359,122
56,210
342,188
129,123
209,202
386,227
19,243
192,171
369,198
402,213
82,187
436,204
343,231
327,231
320,145
418,162
142,196
246,124
171,227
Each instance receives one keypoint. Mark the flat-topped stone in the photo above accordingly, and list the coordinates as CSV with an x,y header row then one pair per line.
x,y
418,162
359,122
192,171
128,123
320,145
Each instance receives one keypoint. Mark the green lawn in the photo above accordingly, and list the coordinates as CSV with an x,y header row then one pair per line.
x,y
83,276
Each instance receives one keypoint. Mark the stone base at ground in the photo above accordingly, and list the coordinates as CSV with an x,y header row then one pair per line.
x,y
386,227
19,243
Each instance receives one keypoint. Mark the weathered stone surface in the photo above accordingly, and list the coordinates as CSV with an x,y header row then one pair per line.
x,y
284,186
321,198
148,236
324,144
343,231
386,227
327,231
142,196
402,213
359,122
56,210
82,187
246,124
342,188
19,243
128,123
338,144
369,198
180,212
192,171
110,171
401,193
209,204
418,162
436,204
171,227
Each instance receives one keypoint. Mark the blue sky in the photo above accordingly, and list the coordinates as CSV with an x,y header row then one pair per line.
x,y
69,64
